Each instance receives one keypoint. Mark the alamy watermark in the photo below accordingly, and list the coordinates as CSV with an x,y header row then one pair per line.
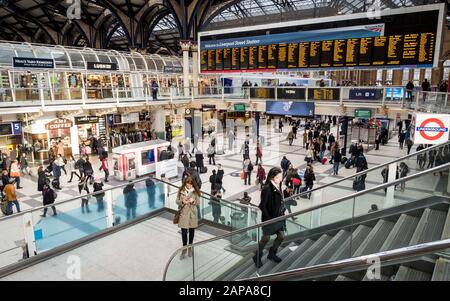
x,y
74,10
374,270
73,272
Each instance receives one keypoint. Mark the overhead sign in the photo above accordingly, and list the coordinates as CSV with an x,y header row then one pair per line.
x,y
173,69
239,107
292,108
101,66
86,119
363,114
60,123
365,94
16,128
431,128
26,62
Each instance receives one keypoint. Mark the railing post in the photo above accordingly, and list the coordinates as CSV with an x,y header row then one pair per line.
x,y
417,101
390,191
446,100
306,93
341,96
109,212
383,99
28,230
276,93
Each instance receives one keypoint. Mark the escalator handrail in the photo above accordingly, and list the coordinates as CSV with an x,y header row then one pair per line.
x,y
333,202
370,169
356,263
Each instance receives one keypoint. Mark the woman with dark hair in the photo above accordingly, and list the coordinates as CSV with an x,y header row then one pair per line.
x,y
188,198
272,207
42,178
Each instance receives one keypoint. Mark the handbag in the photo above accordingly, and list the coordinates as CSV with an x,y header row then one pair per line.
x,y
176,218
242,175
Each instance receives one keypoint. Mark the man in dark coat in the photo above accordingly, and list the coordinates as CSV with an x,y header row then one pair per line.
x,y
48,196
130,195
199,160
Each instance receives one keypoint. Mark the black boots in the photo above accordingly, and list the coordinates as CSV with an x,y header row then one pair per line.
x,y
257,261
272,255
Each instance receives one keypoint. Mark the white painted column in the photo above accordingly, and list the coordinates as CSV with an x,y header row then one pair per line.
x,y
109,212
389,201
195,68
185,47
160,123
28,230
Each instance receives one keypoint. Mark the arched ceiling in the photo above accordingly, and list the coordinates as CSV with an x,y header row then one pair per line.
x,y
155,25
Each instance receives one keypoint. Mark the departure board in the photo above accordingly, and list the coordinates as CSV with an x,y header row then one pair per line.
x,y
252,57
410,47
352,52
339,53
227,59
282,56
314,54
379,51
303,55
293,55
235,58
365,51
395,50
211,60
262,57
204,60
426,48
219,59
326,54
243,62
272,56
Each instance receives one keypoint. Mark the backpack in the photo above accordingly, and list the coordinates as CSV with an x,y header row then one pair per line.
x,y
250,166
296,181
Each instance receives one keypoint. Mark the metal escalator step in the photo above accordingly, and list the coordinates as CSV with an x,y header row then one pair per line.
x,y
408,274
356,239
430,227
441,270
375,239
304,258
282,266
244,264
250,268
446,231
383,278
402,233
269,264
343,278
330,248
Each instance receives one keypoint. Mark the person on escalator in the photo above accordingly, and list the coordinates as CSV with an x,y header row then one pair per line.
x,y
271,207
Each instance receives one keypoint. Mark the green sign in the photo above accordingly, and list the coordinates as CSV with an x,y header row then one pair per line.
x,y
240,107
363,113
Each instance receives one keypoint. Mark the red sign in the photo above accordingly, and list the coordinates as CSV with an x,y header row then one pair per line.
x,y
440,131
60,123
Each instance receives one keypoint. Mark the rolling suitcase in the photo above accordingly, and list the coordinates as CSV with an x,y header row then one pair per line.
x,y
323,160
3,206
203,169
55,183
348,164
343,160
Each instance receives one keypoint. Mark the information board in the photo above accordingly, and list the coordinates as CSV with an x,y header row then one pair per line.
x,y
252,57
219,59
243,62
379,51
410,47
262,57
282,56
352,52
365,51
395,50
314,54
293,55
303,55
339,53
235,58
227,59
326,54
272,56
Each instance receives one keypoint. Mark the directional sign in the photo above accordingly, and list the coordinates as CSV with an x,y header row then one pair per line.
x,y
431,128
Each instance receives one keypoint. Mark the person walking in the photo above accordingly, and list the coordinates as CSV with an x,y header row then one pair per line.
x,y
401,139
426,88
130,195
285,165
409,144
245,150
288,192
199,161
15,173
280,126
258,153
187,147
403,172
211,153
48,197
195,147
105,168
188,199
42,178
80,166
88,170
296,181
305,139
290,137
247,167
155,88
261,175
11,197
180,149
271,206
309,178
220,174
99,194
309,157
71,163
24,168
409,90
213,179
337,157
83,189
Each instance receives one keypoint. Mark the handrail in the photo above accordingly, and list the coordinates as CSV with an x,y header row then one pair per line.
x,y
356,262
286,217
370,170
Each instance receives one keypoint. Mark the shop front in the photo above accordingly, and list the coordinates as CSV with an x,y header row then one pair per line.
x,y
59,130
176,121
10,136
91,131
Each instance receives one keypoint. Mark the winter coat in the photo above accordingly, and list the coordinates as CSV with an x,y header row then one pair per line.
x,y
309,178
56,170
48,196
285,164
271,207
41,180
185,161
261,174
189,212
199,159
130,197
220,174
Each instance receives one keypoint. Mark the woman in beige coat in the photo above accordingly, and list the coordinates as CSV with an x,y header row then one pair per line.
x,y
188,199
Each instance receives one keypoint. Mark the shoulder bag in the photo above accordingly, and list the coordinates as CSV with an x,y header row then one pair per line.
x,y
176,218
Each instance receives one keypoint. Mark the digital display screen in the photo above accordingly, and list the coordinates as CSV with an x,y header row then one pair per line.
x,y
339,53
395,50
293,55
314,54
326,54
252,57
235,57
244,58
282,56
219,59
426,48
204,60
272,56
212,60
365,51
227,59
379,51
262,57
352,52
410,48
303,55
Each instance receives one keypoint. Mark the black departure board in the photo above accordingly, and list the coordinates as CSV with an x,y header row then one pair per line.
x,y
326,56
262,57
365,51
410,48
339,53
395,50
204,60
314,54
235,58
227,59
352,52
253,57
282,56
292,55
426,48
272,56
379,51
303,55
212,60
219,59
243,62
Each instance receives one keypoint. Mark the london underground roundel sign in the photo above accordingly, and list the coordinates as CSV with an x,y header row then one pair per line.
x,y
431,128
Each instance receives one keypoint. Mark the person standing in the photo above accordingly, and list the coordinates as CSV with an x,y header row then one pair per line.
x,y
99,194
72,168
42,179
245,149
305,139
280,126
10,195
401,139
290,137
220,174
48,197
195,147
188,199
261,175
80,166
426,88
15,173
83,189
130,195
199,161
409,144
25,169
213,179
185,161
247,167
271,206
258,153
309,177
180,151
409,90
88,170
337,157
285,165
60,148
155,88
105,168
294,130
211,153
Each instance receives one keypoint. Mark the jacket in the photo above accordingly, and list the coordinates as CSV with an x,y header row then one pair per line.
x,y
41,180
48,196
189,212
56,170
88,168
261,174
199,159
220,174
130,195
271,206
285,164
309,178
15,170
259,151
185,161
10,193
214,180
290,135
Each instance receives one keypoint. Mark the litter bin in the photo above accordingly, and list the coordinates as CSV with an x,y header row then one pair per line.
x,y
238,221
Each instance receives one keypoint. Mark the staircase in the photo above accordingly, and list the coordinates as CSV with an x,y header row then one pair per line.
x,y
389,231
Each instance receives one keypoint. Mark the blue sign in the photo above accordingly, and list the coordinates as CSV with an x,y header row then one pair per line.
x,y
398,93
291,108
30,62
365,94
38,234
16,128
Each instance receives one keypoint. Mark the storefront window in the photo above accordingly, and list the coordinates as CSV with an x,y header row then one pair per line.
x,y
61,59
148,157
58,82
77,60
6,53
99,86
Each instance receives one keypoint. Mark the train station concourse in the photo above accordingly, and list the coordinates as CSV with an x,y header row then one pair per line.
x,y
236,140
